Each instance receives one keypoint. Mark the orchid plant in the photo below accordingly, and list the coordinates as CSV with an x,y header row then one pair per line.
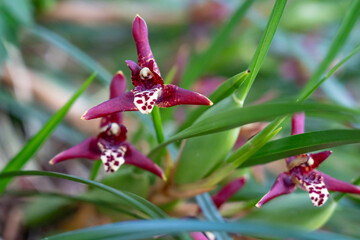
x,y
199,151
110,145
302,172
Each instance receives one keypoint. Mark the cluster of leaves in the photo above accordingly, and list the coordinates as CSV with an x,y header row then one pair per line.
x,y
206,159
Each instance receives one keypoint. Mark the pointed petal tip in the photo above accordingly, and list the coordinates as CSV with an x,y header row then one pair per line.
x,y
210,103
83,117
163,177
51,162
120,73
258,205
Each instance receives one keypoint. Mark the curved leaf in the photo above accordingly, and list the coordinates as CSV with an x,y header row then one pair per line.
x,y
134,200
150,228
302,143
233,118
35,142
293,210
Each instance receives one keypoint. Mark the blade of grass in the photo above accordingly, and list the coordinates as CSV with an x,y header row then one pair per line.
x,y
331,72
199,64
335,47
263,48
134,200
150,228
73,51
36,141
302,143
98,203
233,118
211,213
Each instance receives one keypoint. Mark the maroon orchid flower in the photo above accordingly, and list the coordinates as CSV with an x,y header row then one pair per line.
x,y
302,172
110,145
149,86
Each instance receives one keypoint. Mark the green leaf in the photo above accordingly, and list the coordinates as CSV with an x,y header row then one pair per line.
x,y
48,202
137,202
302,143
199,64
73,51
211,213
145,229
223,91
314,86
263,48
36,141
237,117
293,210
336,45
20,9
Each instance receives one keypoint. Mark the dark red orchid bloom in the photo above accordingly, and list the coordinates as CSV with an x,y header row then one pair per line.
x,y
110,145
149,86
302,172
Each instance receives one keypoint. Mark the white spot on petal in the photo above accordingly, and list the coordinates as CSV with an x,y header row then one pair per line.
x,y
145,100
314,184
113,158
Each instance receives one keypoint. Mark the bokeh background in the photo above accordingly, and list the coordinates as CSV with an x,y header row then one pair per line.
x,y
49,48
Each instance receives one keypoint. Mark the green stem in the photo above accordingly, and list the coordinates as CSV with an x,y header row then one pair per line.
x,y
95,170
157,124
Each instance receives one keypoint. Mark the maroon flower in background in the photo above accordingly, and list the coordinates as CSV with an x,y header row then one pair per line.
x,y
110,145
302,172
149,86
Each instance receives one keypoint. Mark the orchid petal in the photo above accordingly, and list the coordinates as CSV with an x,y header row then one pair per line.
x,y
140,33
113,158
228,191
318,158
283,185
172,95
136,158
86,149
135,70
198,236
298,123
145,100
124,102
334,184
314,184
117,85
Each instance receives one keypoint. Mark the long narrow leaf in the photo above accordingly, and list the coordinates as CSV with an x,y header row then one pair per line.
x,y
263,112
35,142
73,198
302,143
263,47
138,203
210,212
148,229
339,41
200,63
